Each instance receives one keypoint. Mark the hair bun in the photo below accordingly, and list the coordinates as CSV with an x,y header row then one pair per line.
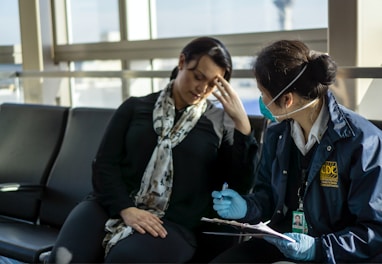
x,y
323,68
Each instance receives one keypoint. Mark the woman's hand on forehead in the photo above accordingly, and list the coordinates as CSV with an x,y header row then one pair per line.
x,y
232,104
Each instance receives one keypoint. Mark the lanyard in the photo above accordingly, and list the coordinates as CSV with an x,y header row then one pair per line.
x,y
304,163
301,189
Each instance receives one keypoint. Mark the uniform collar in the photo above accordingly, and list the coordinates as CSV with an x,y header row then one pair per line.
x,y
317,131
340,123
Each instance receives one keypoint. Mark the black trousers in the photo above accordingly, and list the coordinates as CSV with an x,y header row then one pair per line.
x,y
82,235
255,250
177,247
83,231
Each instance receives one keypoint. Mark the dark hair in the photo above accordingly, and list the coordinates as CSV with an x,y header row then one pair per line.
x,y
279,63
211,47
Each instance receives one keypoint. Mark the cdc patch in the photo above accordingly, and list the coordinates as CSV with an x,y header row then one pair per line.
x,y
329,174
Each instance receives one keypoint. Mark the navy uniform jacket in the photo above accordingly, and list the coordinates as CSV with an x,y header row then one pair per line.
x,y
343,197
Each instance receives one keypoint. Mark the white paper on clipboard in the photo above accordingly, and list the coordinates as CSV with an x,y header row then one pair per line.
x,y
259,230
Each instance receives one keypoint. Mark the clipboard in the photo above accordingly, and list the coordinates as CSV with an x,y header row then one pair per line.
x,y
259,230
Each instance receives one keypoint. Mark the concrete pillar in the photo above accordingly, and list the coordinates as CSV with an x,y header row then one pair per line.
x,y
37,54
355,39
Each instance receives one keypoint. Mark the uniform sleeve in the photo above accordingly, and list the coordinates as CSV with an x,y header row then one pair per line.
x,y
260,201
237,155
107,174
363,239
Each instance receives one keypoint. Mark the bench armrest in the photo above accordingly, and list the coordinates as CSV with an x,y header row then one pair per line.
x,y
20,187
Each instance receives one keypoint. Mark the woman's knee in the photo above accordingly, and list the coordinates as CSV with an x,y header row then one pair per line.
x,y
82,233
149,249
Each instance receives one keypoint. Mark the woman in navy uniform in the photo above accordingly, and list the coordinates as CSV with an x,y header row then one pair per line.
x,y
319,160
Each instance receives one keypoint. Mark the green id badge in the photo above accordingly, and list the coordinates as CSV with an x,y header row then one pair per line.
x,y
299,224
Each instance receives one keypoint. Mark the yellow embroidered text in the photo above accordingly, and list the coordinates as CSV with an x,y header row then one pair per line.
x,y
329,174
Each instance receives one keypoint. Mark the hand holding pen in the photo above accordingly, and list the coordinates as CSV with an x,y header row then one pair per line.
x,y
229,204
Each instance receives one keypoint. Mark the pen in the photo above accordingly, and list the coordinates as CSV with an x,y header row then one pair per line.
x,y
224,187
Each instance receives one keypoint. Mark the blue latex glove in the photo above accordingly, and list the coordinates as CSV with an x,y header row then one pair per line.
x,y
229,204
303,249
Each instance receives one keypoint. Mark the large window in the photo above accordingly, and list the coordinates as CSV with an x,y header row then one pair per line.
x,y
9,51
9,23
98,20
96,92
93,21
140,39
176,18
110,35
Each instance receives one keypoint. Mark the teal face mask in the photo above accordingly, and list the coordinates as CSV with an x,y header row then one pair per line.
x,y
265,110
